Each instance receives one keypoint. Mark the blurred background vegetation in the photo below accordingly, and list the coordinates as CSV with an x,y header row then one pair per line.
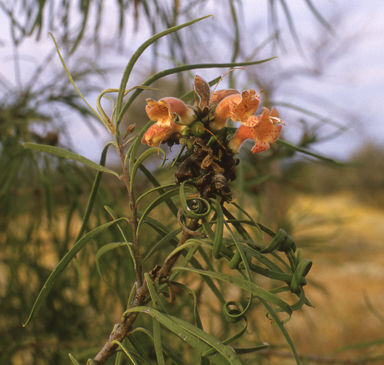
x,y
335,212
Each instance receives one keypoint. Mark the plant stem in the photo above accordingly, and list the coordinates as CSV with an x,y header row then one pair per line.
x,y
133,220
142,293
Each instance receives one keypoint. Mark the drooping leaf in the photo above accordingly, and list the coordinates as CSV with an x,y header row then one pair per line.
x,y
57,151
126,351
135,57
103,250
63,264
141,159
281,328
306,152
166,349
246,285
194,336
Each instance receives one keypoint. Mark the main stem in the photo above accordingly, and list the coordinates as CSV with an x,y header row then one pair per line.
x,y
142,292
133,220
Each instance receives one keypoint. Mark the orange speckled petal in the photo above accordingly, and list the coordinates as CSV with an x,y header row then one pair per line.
x,y
268,130
157,134
159,111
222,112
247,106
260,147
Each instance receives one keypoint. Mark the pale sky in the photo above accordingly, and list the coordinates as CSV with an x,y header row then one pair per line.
x,y
351,89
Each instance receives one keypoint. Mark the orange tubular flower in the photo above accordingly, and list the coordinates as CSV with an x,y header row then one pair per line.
x,y
263,129
165,111
156,135
238,107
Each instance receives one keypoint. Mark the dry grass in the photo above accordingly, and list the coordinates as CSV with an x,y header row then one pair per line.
x,y
349,264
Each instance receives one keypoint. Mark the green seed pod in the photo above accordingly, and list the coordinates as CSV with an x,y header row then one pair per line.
x,y
197,129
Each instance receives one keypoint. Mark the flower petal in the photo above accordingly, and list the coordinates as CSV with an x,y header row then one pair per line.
x,y
219,95
268,130
263,130
167,109
246,107
222,112
241,135
156,135
238,107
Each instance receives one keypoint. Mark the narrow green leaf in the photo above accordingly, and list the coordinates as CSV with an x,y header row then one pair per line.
x,y
103,250
74,85
224,350
301,271
131,154
159,188
129,355
143,354
157,342
239,227
255,224
68,155
193,245
158,305
166,349
194,336
309,153
134,59
141,159
249,350
281,328
74,361
232,338
167,238
360,345
63,264
196,314
240,252
218,240
156,184
196,264
319,17
130,249
191,213
93,194
183,68
155,203
246,285
156,301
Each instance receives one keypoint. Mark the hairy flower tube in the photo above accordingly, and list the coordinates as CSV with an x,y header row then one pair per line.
x,y
263,129
238,107
157,134
166,110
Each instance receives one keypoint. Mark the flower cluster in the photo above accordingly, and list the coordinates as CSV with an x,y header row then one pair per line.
x,y
176,121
